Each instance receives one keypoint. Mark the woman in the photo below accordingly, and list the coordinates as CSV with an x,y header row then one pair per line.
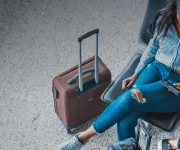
x,y
144,91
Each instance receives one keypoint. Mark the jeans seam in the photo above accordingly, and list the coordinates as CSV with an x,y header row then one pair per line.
x,y
127,107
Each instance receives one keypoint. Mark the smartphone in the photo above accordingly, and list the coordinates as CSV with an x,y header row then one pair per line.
x,y
171,87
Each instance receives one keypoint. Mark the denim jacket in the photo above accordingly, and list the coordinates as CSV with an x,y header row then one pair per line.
x,y
164,49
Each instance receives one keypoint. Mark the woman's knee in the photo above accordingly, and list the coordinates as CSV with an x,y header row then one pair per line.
x,y
134,96
137,95
130,120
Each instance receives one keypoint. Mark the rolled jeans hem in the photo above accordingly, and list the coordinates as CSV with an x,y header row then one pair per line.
x,y
179,143
95,129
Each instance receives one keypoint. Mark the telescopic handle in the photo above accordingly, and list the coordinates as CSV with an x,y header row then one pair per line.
x,y
90,33
96,31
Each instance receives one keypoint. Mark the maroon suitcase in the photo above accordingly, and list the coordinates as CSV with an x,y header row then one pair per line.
x,y
77,93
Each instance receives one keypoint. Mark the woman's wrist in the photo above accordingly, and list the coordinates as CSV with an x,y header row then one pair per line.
x,y
136,74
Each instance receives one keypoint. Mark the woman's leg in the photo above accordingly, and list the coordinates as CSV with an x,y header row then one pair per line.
x,y
126,127
157,97
152,73
105,120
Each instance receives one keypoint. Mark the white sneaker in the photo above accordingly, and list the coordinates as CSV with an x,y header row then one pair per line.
x,y
72,144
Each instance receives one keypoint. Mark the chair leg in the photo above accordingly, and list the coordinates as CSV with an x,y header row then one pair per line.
x,y
148,127
142,126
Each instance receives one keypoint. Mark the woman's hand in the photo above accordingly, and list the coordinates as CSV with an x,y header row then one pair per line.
x,y
176,85
128,82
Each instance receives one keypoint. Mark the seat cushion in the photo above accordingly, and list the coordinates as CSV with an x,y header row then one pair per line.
x,y
166,121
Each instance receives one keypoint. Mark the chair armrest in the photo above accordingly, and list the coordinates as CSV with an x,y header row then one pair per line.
x,y
115,87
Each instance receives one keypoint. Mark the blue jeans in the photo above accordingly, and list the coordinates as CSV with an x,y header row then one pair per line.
x,y
126,109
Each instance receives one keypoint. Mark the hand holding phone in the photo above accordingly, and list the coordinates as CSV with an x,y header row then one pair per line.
x,y
171,87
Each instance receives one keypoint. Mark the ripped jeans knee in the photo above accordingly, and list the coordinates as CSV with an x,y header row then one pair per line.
x,y
137,94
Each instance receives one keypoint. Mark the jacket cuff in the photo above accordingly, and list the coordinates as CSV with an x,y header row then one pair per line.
x,y
139,69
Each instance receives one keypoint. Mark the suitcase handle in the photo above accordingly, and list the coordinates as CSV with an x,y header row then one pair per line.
x,y
77,75
55,93
96,76
90,33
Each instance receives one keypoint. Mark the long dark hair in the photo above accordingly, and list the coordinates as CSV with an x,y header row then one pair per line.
x,y
168,14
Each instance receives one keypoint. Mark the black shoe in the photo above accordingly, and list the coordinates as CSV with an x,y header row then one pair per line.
x,y
164,145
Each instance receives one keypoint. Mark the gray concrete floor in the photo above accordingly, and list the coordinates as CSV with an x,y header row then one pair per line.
x,y
38,41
